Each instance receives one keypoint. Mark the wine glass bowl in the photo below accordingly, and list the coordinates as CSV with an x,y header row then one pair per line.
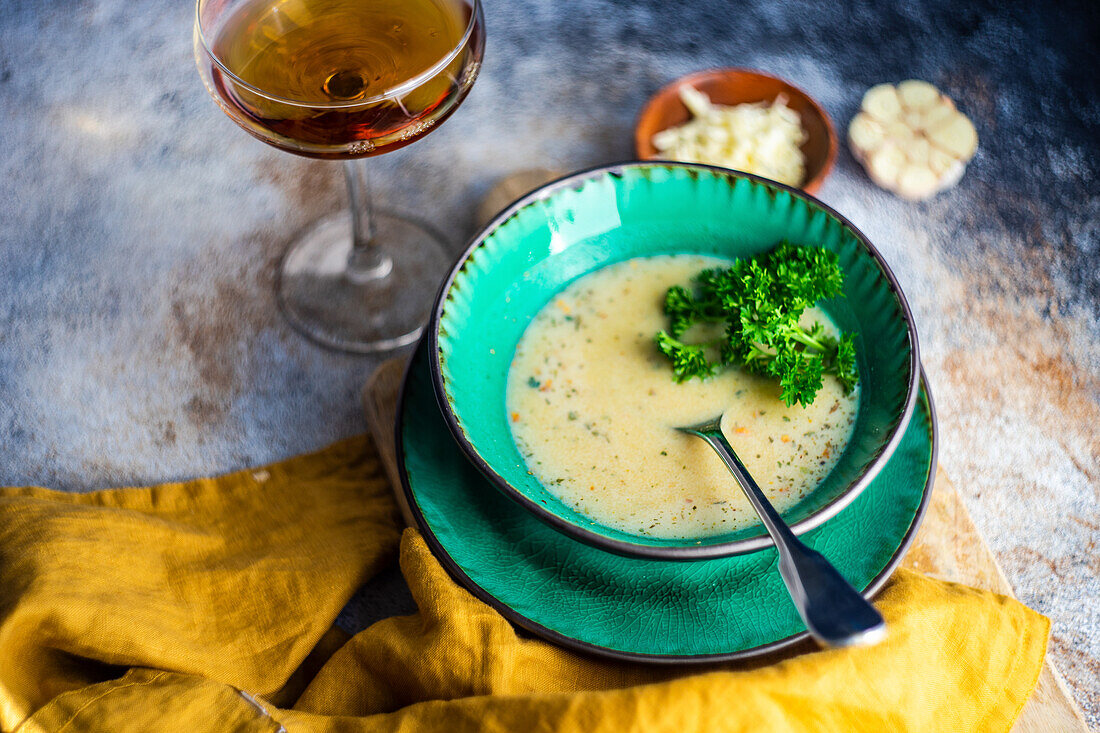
x,y
346,80
358,84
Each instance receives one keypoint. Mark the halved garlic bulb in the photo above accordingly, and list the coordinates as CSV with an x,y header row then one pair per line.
x,y
911,139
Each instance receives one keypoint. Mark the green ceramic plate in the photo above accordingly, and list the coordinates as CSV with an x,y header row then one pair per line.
x,y
591,219
582,597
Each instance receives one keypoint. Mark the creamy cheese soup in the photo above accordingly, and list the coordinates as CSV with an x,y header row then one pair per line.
x,y
592,405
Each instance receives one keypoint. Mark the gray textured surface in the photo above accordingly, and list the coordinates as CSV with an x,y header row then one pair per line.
x,y
139,230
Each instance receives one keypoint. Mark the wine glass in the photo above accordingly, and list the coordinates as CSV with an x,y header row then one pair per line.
x,y
346,80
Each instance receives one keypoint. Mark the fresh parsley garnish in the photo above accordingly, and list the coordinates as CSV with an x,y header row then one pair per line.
x,y
759,301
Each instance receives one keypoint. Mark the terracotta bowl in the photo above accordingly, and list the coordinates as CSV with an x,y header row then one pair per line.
x,y
736,86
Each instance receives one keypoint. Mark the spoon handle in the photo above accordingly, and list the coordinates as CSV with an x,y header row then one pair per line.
x,y
834,612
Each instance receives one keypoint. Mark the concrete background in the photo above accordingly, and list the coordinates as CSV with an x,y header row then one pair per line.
x,y
139,228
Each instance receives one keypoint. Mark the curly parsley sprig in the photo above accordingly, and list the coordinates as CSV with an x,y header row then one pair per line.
x,y
759,301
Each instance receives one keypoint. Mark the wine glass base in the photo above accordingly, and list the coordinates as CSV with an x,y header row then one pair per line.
x,y
368,312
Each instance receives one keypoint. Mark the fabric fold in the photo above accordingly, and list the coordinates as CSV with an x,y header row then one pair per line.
x,y
234,579
208,606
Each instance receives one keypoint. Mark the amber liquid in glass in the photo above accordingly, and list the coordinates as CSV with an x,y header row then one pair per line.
x,y
312,68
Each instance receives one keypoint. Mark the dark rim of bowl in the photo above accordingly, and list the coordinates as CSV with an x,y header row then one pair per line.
x,y
585,647
637,549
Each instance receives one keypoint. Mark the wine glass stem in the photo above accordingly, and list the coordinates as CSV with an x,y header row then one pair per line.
x,y
365,261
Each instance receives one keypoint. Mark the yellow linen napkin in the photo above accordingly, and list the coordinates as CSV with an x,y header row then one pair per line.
x,y
208,606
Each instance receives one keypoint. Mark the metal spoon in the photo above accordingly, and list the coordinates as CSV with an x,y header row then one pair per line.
x,y
833,611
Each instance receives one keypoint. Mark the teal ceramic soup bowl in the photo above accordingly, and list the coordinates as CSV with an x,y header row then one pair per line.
x,y
585,221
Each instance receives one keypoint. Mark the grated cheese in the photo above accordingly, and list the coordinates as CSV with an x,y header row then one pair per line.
x,y
755,138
